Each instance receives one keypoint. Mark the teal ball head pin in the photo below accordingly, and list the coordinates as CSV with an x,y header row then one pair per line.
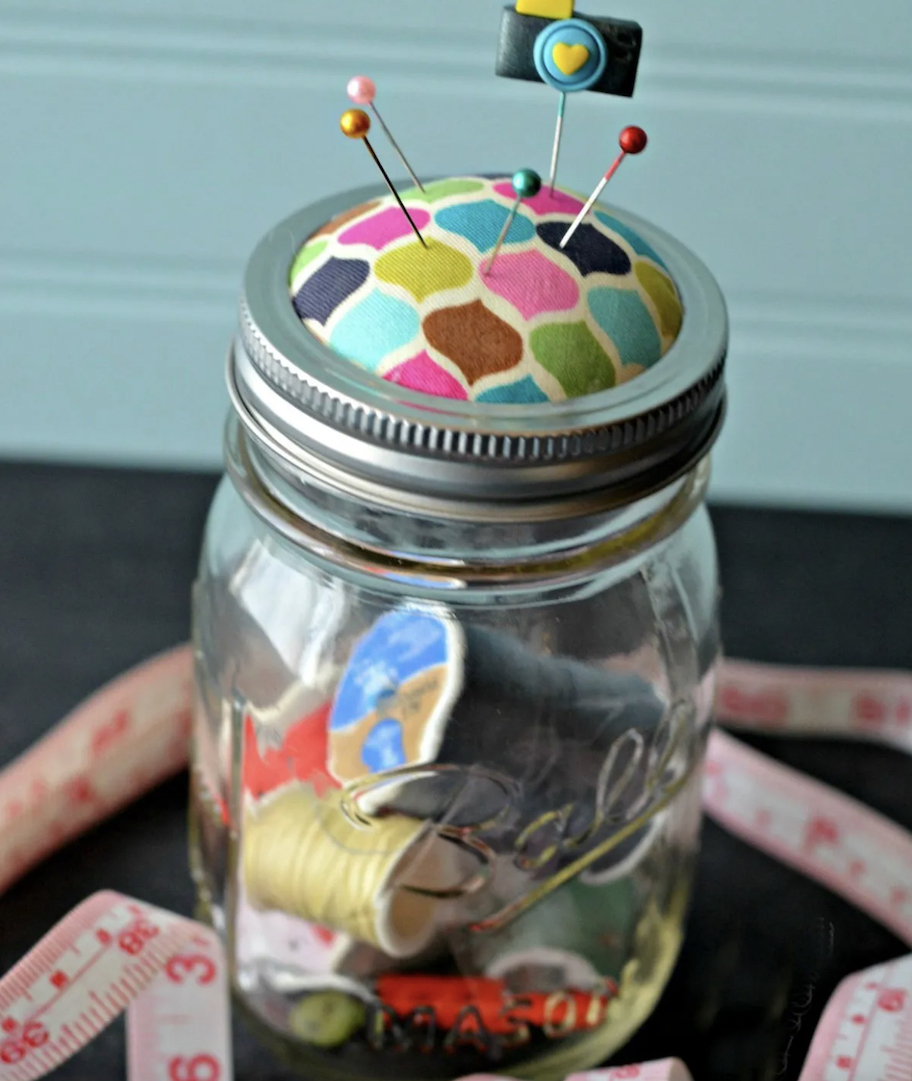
x,y
527,184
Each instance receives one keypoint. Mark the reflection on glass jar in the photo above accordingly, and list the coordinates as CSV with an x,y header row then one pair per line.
x,y
446,781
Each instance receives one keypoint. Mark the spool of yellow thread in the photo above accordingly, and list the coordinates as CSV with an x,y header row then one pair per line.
x,y
305,857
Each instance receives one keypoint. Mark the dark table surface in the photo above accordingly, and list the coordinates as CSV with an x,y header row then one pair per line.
x,y
95,573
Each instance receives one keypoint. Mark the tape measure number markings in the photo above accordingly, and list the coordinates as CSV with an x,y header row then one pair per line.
x,y
108,955
113,953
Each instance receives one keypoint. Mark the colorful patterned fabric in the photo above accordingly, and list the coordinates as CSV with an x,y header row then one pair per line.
x,y
544,325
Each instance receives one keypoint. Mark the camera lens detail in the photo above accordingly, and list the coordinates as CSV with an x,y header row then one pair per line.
x,y
571,55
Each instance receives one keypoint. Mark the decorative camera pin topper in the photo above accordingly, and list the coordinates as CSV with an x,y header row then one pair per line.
x,y
545,41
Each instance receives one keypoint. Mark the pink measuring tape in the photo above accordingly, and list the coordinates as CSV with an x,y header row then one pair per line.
x,y
113,953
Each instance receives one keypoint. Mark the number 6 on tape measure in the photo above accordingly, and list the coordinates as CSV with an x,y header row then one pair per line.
x,y
200,1068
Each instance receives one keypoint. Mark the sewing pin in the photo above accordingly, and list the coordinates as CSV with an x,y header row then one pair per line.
x,y
527,184
356,124
632,141
558,137
363,91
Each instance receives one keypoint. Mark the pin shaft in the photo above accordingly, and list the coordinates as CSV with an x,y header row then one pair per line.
x,y
558,138
503,236
392,188
397,147
593,199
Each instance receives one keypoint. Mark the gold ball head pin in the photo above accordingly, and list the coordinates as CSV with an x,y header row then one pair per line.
x,y
356,124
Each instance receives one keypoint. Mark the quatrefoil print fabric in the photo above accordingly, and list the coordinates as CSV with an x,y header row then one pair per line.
x,y
545,325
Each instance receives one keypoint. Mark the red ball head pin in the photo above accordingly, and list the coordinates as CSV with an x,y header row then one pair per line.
x,y
632,141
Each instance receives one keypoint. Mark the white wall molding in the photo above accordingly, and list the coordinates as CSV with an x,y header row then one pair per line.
x,y
114,340
107,285
854,327
150,143
138,48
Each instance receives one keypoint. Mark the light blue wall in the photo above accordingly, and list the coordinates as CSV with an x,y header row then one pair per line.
x,y
148,144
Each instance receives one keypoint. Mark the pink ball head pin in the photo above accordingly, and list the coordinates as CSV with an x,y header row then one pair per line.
x,y
363,91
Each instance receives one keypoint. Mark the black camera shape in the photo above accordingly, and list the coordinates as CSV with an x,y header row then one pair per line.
x,y
569,54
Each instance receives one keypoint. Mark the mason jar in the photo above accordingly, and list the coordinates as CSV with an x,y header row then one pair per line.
x,y
454,669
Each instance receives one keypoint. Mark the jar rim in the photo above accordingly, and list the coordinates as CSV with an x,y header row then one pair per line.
x,y
632,439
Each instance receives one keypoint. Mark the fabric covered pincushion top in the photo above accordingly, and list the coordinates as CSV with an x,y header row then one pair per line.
x,y
545,324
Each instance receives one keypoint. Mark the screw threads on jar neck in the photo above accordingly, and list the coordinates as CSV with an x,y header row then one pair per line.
x,y
333,526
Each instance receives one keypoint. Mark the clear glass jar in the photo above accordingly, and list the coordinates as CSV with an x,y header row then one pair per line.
x,y
446,776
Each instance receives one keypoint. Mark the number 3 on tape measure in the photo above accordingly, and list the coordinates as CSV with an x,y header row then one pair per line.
x,y
185,967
